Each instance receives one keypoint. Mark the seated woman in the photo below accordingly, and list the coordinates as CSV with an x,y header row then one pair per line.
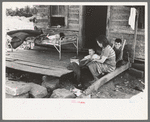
x,y
107,61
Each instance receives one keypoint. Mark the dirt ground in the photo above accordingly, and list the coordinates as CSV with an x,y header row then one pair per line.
x,y
123,86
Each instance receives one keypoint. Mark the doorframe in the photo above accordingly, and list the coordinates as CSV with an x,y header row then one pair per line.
x,y
108,20
82,28
82,25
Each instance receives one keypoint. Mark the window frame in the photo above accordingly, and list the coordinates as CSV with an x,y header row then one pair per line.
x,y
65,16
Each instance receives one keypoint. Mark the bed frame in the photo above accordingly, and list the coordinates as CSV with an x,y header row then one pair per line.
x,y
62,41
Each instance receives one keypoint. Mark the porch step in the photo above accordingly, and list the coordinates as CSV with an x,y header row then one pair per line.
x,y
137,73
138,66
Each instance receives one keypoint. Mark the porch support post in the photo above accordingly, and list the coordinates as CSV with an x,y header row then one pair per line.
x,y
80,41
135,34
108,21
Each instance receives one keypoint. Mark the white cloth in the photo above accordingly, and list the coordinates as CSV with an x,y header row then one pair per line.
x,y
95,56
132,18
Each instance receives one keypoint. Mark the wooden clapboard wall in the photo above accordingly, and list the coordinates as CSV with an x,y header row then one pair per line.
x,y
117,27
74,21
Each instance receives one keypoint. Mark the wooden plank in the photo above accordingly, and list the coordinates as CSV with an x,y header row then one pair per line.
x,y
135,33
73,21
108,21
53,71
82,31
48,58
126,30
76,16
106,78
74,26
66,15
127,33
116,16
49,17
119,23
74,6
35,64
81,14
121,10
118,7
73,12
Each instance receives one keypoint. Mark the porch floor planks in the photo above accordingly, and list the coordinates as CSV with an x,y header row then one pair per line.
x,y
57,72
39,57
42,62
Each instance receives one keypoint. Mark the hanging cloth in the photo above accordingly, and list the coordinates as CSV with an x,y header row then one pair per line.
x,y
132,18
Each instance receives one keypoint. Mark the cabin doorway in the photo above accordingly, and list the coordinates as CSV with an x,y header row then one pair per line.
x,y
95,24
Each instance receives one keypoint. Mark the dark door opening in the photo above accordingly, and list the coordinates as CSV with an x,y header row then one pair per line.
x,y
95,24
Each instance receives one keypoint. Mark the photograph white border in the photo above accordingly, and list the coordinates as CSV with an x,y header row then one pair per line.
x,y
68,109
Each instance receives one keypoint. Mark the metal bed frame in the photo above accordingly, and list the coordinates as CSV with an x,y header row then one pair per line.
x,y
61,42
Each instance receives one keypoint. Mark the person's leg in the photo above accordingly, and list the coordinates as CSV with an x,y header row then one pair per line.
x,y
77,72
93,69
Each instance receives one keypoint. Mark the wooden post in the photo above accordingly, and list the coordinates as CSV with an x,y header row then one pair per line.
x,y
80,26
108,22
83,26
49,16
66,16
135,34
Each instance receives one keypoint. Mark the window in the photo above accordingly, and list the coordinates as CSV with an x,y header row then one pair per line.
x,y
59,16
141,18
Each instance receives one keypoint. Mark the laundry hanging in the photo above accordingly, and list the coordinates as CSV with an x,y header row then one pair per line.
x,y
132,18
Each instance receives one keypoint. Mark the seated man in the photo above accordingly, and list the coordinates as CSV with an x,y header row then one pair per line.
x,y
119,52
77,65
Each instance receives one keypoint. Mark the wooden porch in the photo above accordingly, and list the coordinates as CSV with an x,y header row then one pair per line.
x,y
44,61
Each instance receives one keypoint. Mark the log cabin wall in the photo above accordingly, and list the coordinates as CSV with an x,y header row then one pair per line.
x,y
118,27
74,22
